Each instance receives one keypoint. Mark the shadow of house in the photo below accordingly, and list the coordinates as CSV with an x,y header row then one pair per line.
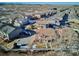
x,y
26,33
64,20
51,26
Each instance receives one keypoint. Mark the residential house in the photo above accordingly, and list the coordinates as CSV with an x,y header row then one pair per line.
x,y
23,21
9,32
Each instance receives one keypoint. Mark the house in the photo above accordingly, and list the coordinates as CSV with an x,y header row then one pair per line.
x,y
45,23
9,32
5,20
54,24
18,22
21,22
24,43
38,15
2,9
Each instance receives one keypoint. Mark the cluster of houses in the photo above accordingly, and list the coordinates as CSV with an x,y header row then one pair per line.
x,y
42,25
20,23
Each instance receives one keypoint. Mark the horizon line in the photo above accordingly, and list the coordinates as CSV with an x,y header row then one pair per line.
x,y
51,3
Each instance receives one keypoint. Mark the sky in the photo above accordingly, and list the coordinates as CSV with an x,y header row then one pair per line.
x,y
63,3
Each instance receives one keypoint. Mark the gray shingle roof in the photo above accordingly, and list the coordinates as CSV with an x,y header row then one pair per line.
x,y
6,28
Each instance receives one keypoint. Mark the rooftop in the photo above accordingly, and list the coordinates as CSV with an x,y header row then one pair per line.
x,y
6,28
